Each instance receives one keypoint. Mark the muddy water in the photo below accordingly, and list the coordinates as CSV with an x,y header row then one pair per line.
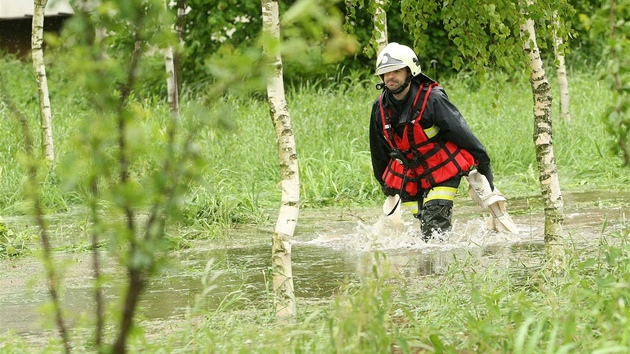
x,y
330,248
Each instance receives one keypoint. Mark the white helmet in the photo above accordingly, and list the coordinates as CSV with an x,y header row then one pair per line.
x,y
396,56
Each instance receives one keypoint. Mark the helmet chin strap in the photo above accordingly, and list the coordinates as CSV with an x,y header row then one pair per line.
x,y
381,86
403,86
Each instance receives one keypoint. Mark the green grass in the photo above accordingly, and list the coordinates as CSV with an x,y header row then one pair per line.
x,y
237,141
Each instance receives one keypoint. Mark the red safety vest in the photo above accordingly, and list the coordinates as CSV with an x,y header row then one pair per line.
x,y
420,161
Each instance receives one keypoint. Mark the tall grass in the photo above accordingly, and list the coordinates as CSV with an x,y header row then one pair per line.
x,y
500,113
241,174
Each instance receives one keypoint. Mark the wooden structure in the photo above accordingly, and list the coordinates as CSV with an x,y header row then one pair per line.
x,y
16,23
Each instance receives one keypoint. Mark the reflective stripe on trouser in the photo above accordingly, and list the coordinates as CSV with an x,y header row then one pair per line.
x,y
443,193
437,210
412,206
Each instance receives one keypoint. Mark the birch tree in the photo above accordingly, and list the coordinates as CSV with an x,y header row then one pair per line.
x,y
378,10
171,81
284,296
171,57
548,173
563,80
42,83
380,24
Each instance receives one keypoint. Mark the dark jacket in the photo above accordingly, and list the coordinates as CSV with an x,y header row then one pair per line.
x,y
440,112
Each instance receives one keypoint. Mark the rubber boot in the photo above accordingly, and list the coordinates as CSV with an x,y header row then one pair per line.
x,y
435,218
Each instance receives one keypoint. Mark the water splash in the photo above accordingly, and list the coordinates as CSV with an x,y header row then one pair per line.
x,y
401,232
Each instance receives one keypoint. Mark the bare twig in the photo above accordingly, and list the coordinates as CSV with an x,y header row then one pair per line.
x,y
136,274
98,289
33,190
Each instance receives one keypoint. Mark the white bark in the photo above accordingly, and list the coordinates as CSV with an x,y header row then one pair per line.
x,y
287,155
380,25
549,182
171,77
171,81
563,81
42,83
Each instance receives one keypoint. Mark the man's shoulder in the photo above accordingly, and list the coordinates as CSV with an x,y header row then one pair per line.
x,y
423,79
438,93
424,82
378,99
377,103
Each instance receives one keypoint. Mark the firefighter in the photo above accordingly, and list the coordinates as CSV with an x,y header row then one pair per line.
x,y
420,144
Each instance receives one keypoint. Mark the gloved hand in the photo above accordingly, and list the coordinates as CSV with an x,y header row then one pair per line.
x,y
388,191
489,176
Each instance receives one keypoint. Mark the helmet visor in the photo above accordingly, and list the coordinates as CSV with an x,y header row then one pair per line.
x,y
387,68
388,63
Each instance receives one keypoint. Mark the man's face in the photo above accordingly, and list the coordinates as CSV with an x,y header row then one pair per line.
x,y
395,79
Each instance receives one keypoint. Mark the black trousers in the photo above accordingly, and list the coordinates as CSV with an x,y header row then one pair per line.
x,y
435,218
435,209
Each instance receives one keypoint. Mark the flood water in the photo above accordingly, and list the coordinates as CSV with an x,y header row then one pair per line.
x,y
331,247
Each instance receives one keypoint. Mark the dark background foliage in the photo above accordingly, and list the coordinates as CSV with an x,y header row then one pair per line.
x,y
215,32
223,27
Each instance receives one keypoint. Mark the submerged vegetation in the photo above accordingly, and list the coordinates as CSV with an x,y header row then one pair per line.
x,y
503,307
507,305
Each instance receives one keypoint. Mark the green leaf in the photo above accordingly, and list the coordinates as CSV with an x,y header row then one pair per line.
x,y
587,263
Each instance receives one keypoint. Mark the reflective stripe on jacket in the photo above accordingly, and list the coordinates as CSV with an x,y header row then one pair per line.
x,y
420,160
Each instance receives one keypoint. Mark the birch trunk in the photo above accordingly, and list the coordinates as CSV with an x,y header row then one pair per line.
x,y
549,182
380,25
171,81
563,81
284,296
42,83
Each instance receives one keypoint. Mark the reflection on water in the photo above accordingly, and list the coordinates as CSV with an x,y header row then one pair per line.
x,y
331,247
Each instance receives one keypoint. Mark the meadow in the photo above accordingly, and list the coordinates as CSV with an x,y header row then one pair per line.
x,y
236,139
